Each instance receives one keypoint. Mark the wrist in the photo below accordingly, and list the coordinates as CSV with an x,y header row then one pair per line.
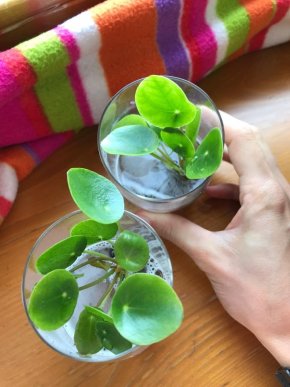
x,y
279,347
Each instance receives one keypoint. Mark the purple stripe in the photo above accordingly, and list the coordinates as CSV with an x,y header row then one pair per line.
x,y
169,38
69,42
31,152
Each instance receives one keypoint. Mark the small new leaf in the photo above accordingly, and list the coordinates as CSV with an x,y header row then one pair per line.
x,y
61,255
99,314
207,158
111,338
131,251
178,142
94,231
86,337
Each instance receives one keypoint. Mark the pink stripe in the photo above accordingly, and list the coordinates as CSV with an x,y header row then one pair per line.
x,y
205,40
68,40
80,94
15,126
16,75
8,83
5,206
199,38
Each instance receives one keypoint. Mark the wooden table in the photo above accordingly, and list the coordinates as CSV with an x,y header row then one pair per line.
x,y
210,349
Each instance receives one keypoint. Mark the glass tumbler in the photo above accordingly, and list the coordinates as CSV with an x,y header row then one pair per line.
x,y
144,180
62,339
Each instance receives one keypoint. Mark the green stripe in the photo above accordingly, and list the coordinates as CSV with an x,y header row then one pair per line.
x,y
49,59
59,104
236,21
45,53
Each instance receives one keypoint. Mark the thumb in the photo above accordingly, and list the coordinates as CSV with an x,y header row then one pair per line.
x,y
199,243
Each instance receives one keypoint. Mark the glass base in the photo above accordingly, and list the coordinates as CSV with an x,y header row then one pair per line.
x,y
150,178
62,339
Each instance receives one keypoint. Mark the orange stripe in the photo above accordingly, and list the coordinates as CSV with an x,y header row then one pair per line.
x,y
19,159
129,47
260,12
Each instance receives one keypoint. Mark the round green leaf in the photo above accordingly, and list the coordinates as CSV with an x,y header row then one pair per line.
x,y
208,156
132,140
192,128
178,142
99,314
111,338
163,103
94,231
131,251
86,337
61,255
145,309
53,300
95,195
130,119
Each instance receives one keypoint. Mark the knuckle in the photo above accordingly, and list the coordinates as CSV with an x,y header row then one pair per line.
x,y
269,195
251,132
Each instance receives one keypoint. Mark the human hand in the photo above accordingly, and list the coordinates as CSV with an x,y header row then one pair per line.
x,y
248,263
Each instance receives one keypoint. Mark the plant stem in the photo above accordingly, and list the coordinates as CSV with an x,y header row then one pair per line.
x,y
103,256
78,276
165,155
169,163
111,241
101,279
102,301
101,265
88,262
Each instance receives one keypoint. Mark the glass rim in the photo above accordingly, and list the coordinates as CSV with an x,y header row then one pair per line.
x,y
38,241
203,182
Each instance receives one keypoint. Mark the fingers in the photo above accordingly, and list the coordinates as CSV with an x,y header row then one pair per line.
x,y
223,191
245,149
199,243
249,153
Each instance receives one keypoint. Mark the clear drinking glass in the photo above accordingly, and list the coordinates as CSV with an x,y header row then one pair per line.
x,y
61,339
144,180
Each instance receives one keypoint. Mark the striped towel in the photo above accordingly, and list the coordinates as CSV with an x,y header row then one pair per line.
x,y
60,81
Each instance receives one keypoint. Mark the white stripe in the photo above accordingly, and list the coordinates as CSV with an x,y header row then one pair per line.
x,y
278,33
219,30
88,38
8,182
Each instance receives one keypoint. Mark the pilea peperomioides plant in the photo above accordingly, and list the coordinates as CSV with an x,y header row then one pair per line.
x,y
167,128
141,308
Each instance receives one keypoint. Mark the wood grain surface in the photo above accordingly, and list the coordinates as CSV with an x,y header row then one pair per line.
x,y
210,349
